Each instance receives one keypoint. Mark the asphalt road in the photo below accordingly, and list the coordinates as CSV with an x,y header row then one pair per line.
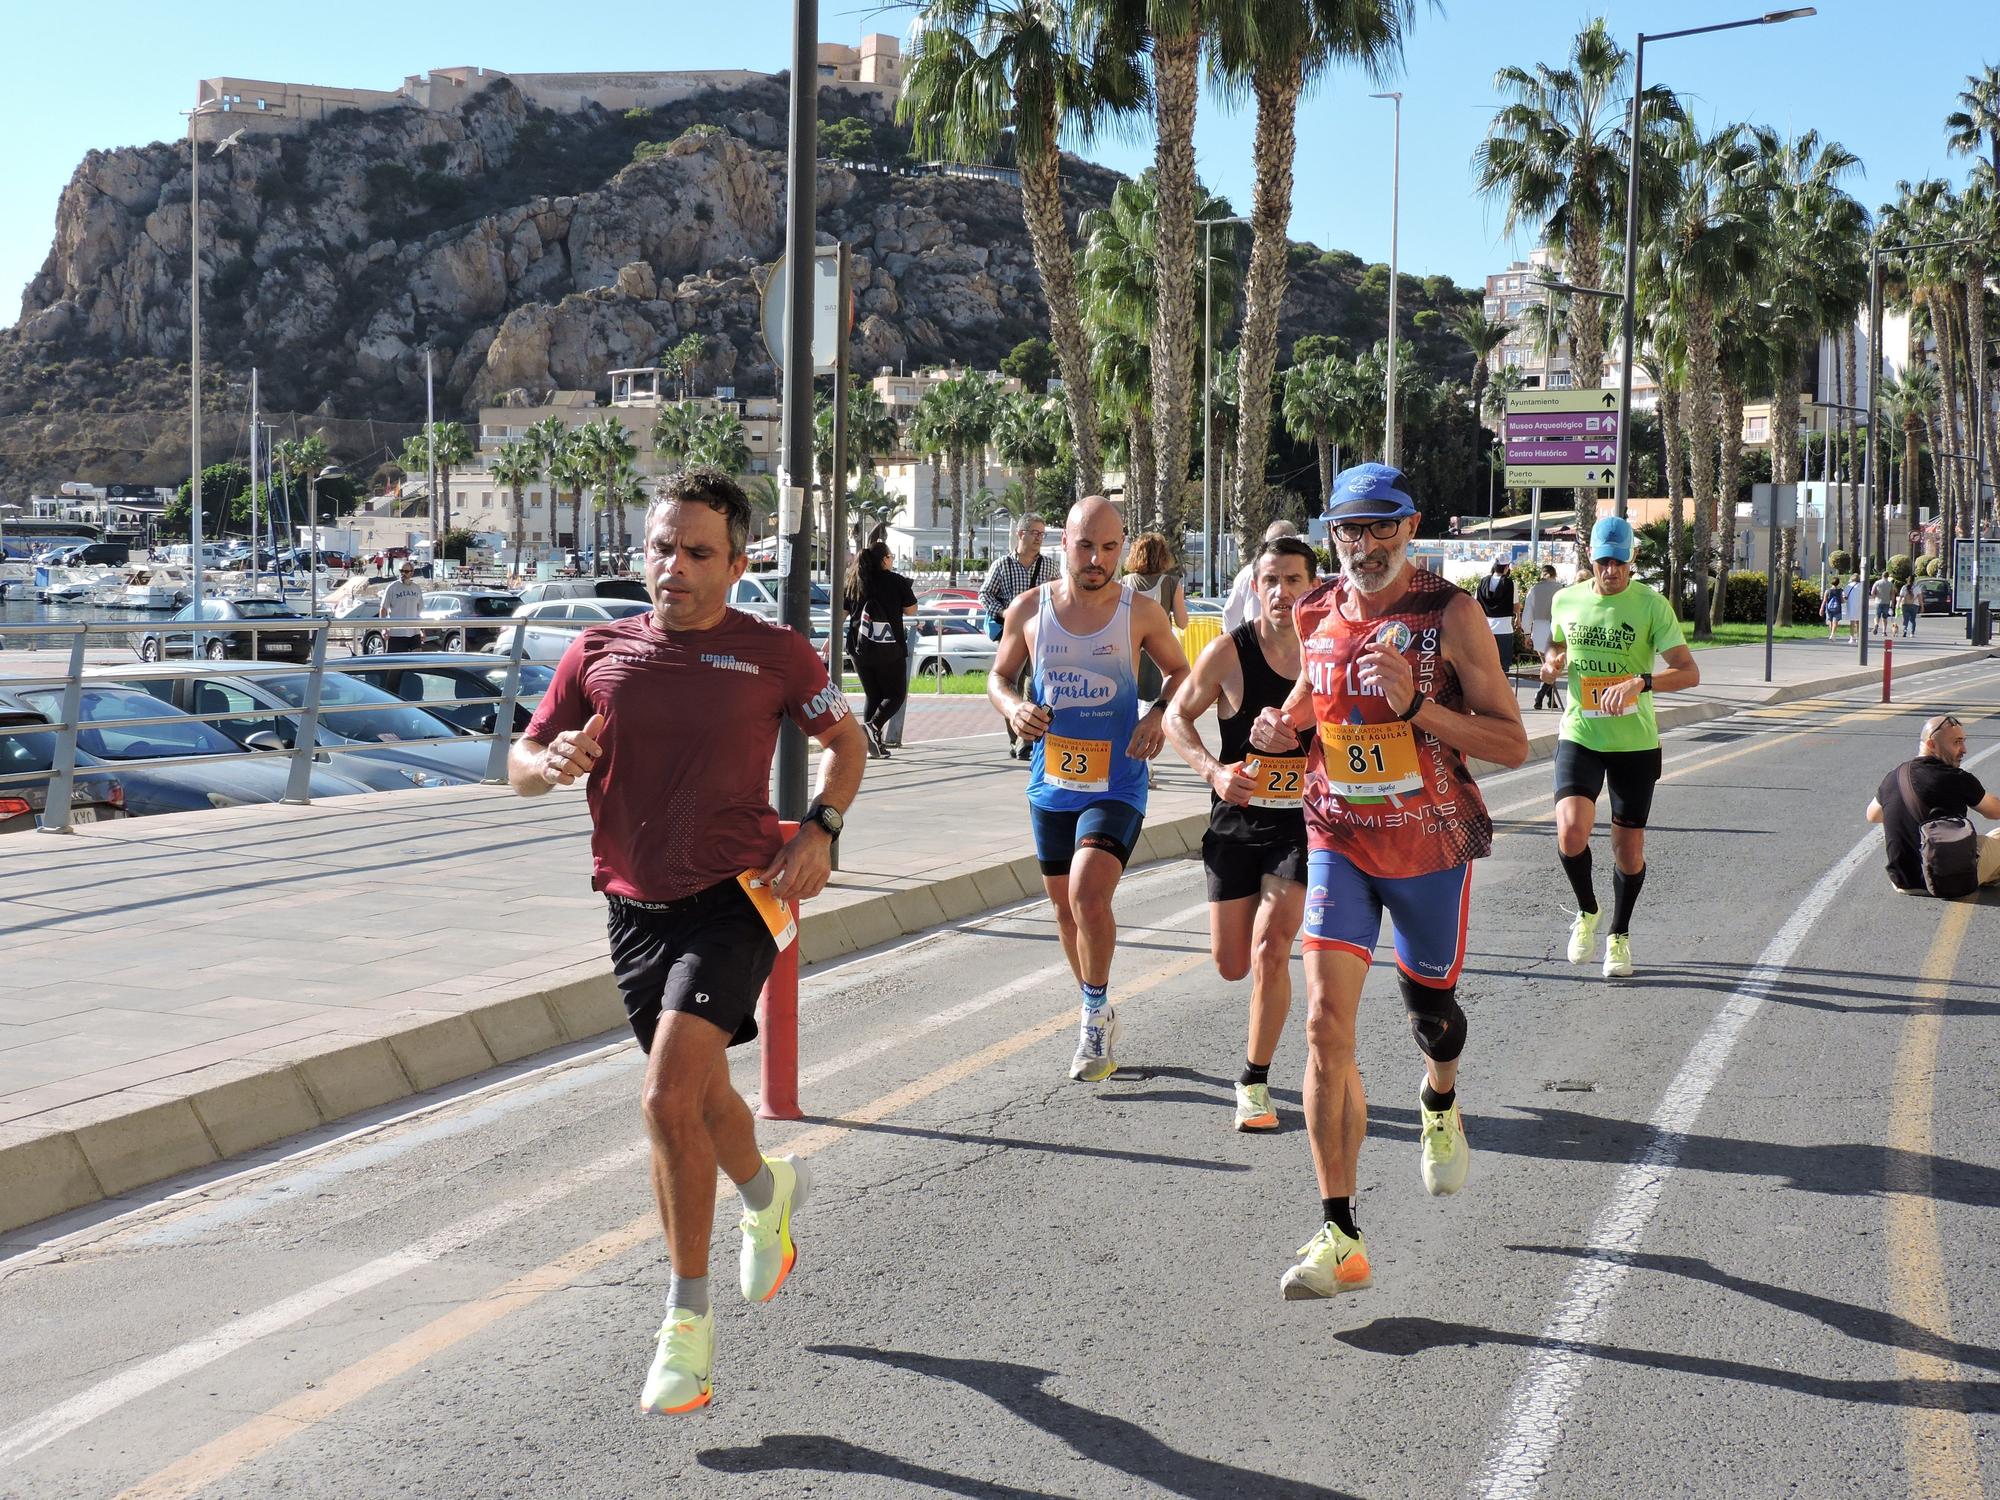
x,y
1730,1229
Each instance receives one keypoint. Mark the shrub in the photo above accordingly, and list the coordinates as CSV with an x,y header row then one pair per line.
x,y
387,182
648,149
701,132
1339,260
1840,562
638,114
1744,603
434,155
442,190
1902,568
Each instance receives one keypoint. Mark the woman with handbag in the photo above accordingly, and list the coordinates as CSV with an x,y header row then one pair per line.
x,y
878,598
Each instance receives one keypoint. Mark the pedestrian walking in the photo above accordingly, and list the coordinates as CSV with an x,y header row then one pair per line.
x,y
1911,605
1400,687
1091,736
403,600
879,599
1536,614
671,717
1884,592
1496,597
1009,578
1830,607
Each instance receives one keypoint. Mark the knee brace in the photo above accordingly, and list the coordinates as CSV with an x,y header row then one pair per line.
x,y
1435,1018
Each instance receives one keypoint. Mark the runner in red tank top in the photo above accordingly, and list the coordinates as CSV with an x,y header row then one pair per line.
x,y
1401,682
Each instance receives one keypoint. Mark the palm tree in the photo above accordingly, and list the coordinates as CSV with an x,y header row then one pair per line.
x,y
1277,48
1977,221
1976,120
674,429
964,412
1482,335
517,468
984,70
623,489
610,449
1925,212
721,443
1320,405
925,436
1122,366
1028,436
1912,400
453,447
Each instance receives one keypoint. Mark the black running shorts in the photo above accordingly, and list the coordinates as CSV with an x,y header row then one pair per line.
x,y
1237,869
1583,772
707,955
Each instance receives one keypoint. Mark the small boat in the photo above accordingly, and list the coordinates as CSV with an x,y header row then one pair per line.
x,y
75,585
155,588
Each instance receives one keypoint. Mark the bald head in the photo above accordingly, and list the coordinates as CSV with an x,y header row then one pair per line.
x,y
1279,528
1093,540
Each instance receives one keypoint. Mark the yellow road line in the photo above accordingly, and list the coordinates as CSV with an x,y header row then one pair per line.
x,y
262,1433
1938,1448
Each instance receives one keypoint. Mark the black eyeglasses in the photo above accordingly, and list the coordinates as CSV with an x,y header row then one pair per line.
x,y
1944,722
1351,531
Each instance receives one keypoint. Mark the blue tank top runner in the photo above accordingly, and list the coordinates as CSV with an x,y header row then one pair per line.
x,y
1091,688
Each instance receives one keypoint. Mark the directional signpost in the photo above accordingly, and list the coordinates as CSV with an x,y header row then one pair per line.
x,y
1562,439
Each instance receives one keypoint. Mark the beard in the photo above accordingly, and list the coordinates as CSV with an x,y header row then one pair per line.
x,y
1089,584
1364,574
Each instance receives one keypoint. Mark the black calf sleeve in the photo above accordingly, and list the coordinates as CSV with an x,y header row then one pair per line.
x,y
1435,1018
1577,867
1624,896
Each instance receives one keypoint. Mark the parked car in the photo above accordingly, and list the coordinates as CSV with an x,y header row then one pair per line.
x,y
585,588
195,780
942,645
355,714
202,629
94,796
1934,596
757,593
445,610
556,622
450,686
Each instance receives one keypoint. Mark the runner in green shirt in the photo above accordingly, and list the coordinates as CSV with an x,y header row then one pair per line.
x,y
1605,634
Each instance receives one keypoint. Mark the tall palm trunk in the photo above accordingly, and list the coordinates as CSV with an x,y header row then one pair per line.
x,y
1732,472
1323,442
1144,477
1277,87
1913,474
1785,470
958,461
1975,341
1702,445
520,528
1942,326
1676,441
1583,257
1048,237
1943,490
1176,85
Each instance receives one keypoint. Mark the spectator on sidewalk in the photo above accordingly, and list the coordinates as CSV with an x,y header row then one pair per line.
x,y
1537,613
1912,606
1008,579
1884,592
403,600
1242,602
1934,786
878,599
1830,607
1852,606
1496,597
1150,572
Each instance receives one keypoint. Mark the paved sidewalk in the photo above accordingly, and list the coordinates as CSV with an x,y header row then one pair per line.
x,y
181,989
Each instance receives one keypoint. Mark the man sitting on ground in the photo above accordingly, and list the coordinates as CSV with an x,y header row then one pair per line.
x,y
1939,786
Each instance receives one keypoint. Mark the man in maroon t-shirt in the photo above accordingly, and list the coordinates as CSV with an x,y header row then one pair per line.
x,y
672,717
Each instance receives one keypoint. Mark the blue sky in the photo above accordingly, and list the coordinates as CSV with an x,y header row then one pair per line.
x,y
1877,78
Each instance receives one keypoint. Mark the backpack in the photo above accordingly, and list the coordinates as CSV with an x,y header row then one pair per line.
x,y
1948,848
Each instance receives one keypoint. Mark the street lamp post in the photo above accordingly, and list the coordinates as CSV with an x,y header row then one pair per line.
x,y
1549,288
1208,390
1769,18
331,471
1395,216
194,339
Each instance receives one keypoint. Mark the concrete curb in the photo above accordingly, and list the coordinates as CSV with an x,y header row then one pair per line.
x,y
84,1153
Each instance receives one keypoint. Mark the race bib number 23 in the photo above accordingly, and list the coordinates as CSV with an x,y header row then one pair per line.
x,y
1076,765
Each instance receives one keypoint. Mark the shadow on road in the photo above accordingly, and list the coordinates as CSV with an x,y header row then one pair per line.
x,y
1865,1323
1058,1148
1119,1445
1403,1336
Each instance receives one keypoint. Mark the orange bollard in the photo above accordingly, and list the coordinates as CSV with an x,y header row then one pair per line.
x,y
778,1023
1888,664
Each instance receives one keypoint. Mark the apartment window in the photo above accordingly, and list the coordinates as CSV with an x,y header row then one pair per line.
x,y
486,499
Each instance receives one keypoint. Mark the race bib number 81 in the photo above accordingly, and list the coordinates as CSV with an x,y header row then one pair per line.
x,y
1076,765
1370,760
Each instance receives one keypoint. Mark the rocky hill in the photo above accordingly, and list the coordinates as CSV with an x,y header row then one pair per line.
x,y
526,249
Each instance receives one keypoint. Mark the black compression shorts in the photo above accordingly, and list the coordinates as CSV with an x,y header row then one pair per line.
x,y
1583,772
1237,869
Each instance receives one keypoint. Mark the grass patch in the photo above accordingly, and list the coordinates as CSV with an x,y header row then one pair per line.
x,y
1739,633
963,684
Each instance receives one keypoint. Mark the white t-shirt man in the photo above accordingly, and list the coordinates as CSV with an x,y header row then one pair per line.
x,y
402,600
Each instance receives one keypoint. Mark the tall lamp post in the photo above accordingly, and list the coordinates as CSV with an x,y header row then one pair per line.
x,y
331,471
1395,217
194,338
1208,390
1549,289
1875,254
1769,18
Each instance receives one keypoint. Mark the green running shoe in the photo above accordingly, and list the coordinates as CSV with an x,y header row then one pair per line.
x,y
1583,936
1618,956
1334,1263
683,1365
1253,1107
768,1252
1446,1156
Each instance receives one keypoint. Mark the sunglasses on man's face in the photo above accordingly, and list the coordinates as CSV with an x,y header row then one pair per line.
x,y
1353,531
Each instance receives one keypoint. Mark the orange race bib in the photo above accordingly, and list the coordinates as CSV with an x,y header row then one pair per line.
x,y
777,914
1370,760
1076,765
1281,781
1590,693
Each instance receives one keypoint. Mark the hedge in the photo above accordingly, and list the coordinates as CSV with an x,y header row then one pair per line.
x,y
1745,600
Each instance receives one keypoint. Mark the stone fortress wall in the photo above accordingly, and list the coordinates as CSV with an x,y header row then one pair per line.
x,y
225,105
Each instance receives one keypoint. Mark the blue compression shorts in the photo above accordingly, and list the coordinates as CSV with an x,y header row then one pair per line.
x,y
1344,909
1108,825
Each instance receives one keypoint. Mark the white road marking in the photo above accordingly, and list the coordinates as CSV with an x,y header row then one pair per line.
x,y
1517,1457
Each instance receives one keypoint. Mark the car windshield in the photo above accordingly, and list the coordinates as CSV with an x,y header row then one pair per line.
x,y
618,609
264,609
535,678
493,604
23,753
100,736
378,717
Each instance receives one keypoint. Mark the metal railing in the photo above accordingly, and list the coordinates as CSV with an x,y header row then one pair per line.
x,y
305,750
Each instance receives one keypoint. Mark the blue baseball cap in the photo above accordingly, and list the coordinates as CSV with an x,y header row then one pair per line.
x,y
1369,492
1611,537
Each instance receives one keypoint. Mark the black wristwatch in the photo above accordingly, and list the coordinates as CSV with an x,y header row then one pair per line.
x,y
1417,701
827,819
1645,682
1160,705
